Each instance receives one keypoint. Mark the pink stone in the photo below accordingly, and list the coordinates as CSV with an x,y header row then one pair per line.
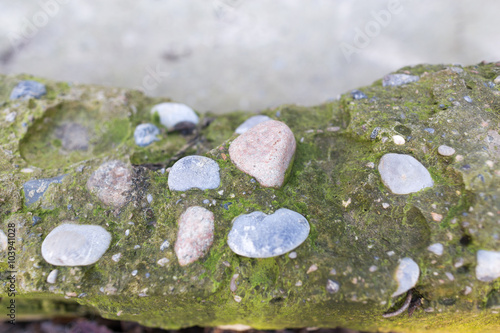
x,y
265,152
195,236
111,182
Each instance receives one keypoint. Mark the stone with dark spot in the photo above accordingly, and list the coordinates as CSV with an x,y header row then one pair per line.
x,y
111,182
172,114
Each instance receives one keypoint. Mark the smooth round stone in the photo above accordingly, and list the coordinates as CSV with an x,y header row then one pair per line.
x,y
406,276
251,122
195,235
172,114
258,235
75,245
488,265
265,152
445,150
52,277
111,182
194,172
393,80
403,174
28,89
436,248
145,134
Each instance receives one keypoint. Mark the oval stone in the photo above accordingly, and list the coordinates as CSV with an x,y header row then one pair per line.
x,y
265,152
28,89
406,276
194,172
195,235
145,134
111,182
75,245
488,265
172,114
403,174
251,122
258,235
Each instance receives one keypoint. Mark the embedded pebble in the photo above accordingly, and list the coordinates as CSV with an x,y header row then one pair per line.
x,y
163,261
75,245
195,235
237,298
468,99
11,117
393,80
265,152
111,182
312,268
406,276
4,241
251,122
164,245
35,189
194,172
436,248
398,139
403,174
134,272
52,277
116,257
258,235
444,150
488,265
497,80
28,89
332,287
373,268
233,286
146,134
292,255
149,198
171,114
358,94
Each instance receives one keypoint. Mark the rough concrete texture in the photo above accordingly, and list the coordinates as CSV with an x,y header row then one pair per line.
x,y
359,229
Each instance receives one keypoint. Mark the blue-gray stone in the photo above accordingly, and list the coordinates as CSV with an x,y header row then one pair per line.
x,y
145,134
358,94
393,80
28,89
468,99
258,235
251,122
35,189
194,172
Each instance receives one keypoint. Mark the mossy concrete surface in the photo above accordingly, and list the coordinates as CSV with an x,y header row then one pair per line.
x,y
359,229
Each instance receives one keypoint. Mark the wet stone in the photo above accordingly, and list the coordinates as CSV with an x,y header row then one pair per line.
x,y
75,245
406,276
265,152
28,89
488,265
258,235
358,94
73,136
195,235
35,189
111,182
445,150
194,172
393,80
403,174
172,114
251,122
145,134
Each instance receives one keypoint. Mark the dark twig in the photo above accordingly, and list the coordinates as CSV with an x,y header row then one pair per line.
x,y
405,306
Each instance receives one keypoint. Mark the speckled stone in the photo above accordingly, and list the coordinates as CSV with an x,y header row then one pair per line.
x,y
265,152
393,80
111,182
172,114
194,172
195,235
406,276
251,122
403,174
145,134
258,235
488,265
436,248
75,245
35,189
445,150
28,89
332,287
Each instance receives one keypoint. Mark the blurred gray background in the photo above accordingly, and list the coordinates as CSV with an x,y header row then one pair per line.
x,y
222,55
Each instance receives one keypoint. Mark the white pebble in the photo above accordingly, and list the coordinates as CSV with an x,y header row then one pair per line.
x,y
292,255
488,265
3,241
445,150
298,283
406,276
134,272
164,245
449,276
127,232
172,114
373,268
332,286
398,139
149,197
163,261
116,257
436,248
52,277
237,298
312,269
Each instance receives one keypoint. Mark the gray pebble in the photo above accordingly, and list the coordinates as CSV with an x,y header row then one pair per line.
x,y
332,287
468,99
164,245
403,174
149,198
194,172
75,245
251,122
145,134
172,114
488,265
445,150
28,89
52,277
258,235
393,80
35,189
358,94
